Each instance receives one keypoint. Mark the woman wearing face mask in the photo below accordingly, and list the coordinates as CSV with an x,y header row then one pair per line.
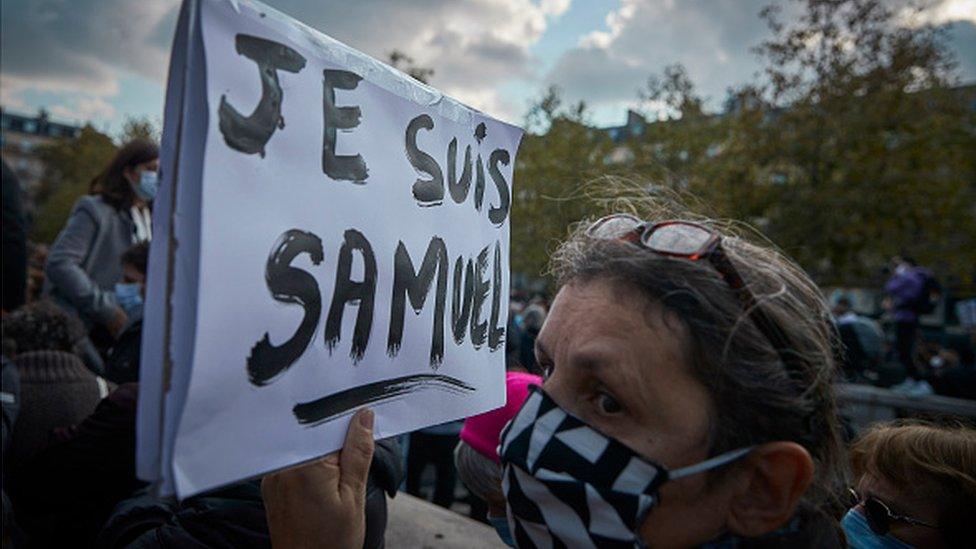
x,y
916,487
83,265
687,400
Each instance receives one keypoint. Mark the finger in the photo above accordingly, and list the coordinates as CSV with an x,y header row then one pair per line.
x,y
357,453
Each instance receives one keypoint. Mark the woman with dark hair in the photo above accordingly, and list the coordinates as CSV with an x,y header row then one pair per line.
x,y
687,402
83,265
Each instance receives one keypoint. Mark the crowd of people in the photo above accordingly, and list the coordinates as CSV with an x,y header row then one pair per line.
x,y
903,357
678,390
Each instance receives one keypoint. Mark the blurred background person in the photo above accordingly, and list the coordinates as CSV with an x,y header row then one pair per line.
x,y
56,389
915,487
909,292
83,264
14,242
476,456
863,340
122,360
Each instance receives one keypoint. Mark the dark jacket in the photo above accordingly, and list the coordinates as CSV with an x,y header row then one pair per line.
x,y
122,362
14,242
234,517
83,264
66,492
804,531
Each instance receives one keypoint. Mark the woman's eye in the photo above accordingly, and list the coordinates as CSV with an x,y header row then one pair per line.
x,y
547,368
608,404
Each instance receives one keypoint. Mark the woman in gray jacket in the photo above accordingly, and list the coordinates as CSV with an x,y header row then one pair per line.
x,y
83,266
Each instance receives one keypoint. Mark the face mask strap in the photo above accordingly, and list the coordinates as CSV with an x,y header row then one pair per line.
x,y
712,463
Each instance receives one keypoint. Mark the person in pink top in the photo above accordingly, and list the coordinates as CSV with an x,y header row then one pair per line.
x,y
476,456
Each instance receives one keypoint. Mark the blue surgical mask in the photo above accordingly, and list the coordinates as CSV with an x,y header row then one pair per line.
x,y
501,528
148,182
129,297
860,536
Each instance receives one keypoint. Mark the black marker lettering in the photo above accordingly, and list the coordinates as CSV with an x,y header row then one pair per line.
x,y
249,134
479,184
288,285
498,215
461,302
416,285
496,336
479,328
348,291
458,189
340,168
428,192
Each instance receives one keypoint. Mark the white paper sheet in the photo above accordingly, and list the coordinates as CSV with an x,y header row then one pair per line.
x,y
251,200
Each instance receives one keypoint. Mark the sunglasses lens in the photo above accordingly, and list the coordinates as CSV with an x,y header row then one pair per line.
x,y
613,227
678,238
877,515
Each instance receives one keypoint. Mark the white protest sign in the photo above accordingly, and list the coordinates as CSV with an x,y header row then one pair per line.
x,y
338,237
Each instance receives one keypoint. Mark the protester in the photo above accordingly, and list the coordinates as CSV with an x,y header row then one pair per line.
x,y
36,261
476,456
863,341
10,393
916,486
533,317
56,389
434,446
83,265
908,292
65,492
122,360
658,371
14,242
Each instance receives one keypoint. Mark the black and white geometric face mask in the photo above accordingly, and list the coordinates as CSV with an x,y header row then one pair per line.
x,y
568,485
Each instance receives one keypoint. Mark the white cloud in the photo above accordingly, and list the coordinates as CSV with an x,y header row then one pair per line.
x,y
939,12
85,47
711,38
474,46
83,108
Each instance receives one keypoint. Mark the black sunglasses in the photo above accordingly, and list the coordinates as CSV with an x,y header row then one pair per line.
x,y
694,242
879,515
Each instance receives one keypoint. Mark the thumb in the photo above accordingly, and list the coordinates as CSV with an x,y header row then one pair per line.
x,y
357,453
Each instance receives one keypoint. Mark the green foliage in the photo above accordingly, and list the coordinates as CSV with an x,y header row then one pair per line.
x,y
857,146
405,63
872,143
69,167
139,128
550,172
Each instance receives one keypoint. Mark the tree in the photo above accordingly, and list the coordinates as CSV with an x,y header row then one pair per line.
x,y
405,63
69,167
551,173
138,128
869,141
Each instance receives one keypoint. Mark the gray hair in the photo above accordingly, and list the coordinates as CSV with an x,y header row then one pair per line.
x,y
479,473
755,398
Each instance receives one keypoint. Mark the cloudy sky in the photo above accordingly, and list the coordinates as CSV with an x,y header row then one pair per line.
x,y
102,60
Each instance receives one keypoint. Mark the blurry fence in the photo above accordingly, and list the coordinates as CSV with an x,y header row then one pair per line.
x,y
865,404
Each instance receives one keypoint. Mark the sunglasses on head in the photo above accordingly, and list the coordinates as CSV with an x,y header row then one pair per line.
x,y
694,242
879,515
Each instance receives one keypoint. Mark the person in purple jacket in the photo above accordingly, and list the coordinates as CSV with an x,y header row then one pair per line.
x,y
904,288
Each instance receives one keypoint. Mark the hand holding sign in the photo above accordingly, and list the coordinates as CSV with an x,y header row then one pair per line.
x,y
352,257
321,504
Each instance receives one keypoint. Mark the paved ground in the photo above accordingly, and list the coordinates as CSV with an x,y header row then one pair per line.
x,y
415,523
